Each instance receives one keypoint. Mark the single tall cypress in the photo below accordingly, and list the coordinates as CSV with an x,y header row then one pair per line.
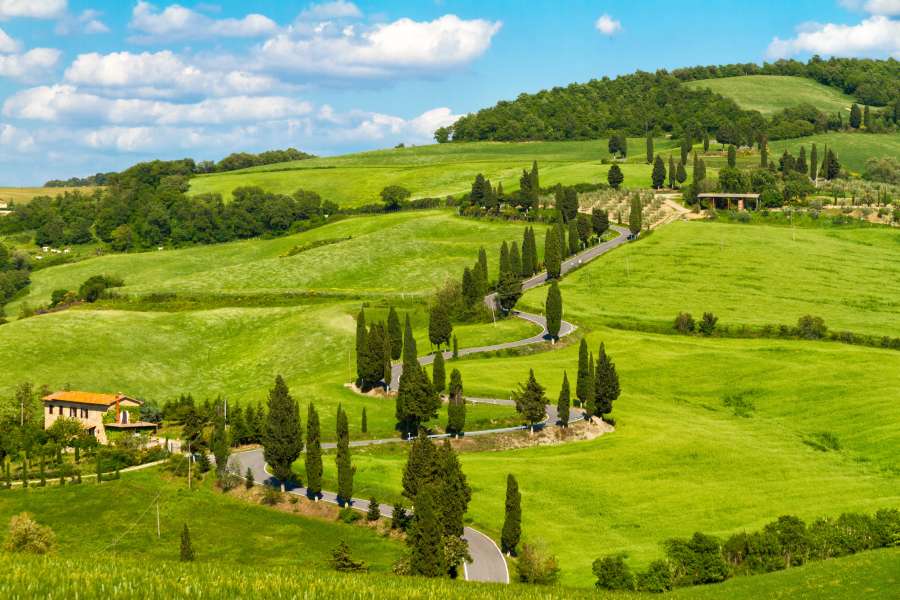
x,y
187,549
552,255
515,261
706,141
512,521
763,152
361,345
283,439
635,220
562,404
530,400
526,269
583,383
574,241
364,422
563,246
680,173
607,383
813,162
658,176
504,259
553,311
671,172
313,457
700,173
800,166
426,537
732,156
455,492
456,409
649,147
409,346
855,116
438,374
483,272
345,469
866,117
535,259
395,333
590,405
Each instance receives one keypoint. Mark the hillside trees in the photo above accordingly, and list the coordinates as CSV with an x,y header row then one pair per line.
x,y
599,221
649,147
438,374
583,383
283,439
855,116
671,172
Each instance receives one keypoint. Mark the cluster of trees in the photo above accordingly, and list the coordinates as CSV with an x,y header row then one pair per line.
x,y
147,205
15,275
417,400
484,198
433,480
242,160
376,347
782,544
89,181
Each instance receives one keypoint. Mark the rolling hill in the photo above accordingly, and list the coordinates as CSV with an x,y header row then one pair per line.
x,y
772,93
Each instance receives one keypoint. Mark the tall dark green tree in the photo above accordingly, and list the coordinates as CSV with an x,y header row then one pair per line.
x,y
470,288
813,162
685,147
515,261
563,246
535,259
658,176
732,156
361,345
313,457
422,467
364,422
410,358
283,439
615,177
700,171
377,354
763,152
635,220
455,492
564,401
552,254
599,221
456,409
867,120
574,239
440,329
483,271
590,406
220,442
606,386
800,166
187,549
583,383
553,310
438,374
345,470
680,173
504,259
671,172
395,333
527,269
649,147
706,141
426,538
855,116
511,533
416,399
509,290
530,400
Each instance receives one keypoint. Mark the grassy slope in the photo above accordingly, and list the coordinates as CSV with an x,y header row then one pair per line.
x,y
435,170
744,274
872,574
771,93
853,149
226,531
402,253
21,195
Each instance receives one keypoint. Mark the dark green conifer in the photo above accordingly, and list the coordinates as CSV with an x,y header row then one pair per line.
x,y
706,141
658,177
187,549
283,438
649,147
562,404
527,261
615,177
574,241
455,493
515,261
345,470
552,254
504,259
671,172
395,333
438,374
422,468
364,422
855,116
426,538
635,220
313,458
439,326
813,162
680,173
483,271
410,358
456,409
606,388
700,172
374,511
530,400
553,311
732,156
455,347
582,383
763,152
512,521
361,345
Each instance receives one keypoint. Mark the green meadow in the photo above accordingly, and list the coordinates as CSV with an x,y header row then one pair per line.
x,y
772,93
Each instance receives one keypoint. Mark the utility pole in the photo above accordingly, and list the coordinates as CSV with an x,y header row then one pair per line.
x,y
190,464
158,534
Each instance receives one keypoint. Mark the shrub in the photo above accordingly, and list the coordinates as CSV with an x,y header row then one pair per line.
x,y
790,533
400,519
342,561
684,323
374,512
657,578
26,535
696,560
349,516
811,328
708,323
535,565
612,573
271,495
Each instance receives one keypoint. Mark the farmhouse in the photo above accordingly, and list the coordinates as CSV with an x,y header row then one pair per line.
x,y
97,413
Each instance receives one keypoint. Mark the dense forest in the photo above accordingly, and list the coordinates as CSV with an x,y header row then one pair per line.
x,y
658,103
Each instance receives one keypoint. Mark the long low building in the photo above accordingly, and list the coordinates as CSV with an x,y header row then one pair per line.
x,y
714,199
94,411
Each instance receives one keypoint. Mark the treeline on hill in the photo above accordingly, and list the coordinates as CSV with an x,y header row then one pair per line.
x,y
15,273
232,162
658,103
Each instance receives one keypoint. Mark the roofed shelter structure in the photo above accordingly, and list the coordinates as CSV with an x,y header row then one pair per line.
x,y
96,412
717,200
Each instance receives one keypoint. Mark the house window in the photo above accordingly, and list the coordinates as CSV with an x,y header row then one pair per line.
x,y
73,412
50,408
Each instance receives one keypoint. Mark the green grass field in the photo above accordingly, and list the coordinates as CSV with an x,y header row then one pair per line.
x,y
771,93
21,195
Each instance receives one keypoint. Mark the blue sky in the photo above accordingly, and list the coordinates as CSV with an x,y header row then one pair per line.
x,y
96,85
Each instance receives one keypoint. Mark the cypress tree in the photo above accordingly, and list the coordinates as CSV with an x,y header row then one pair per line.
x,y
535,179
563,246
562,404
599,221
426,538
553,311
855,116
410,358
364,422
509,290
361,345
345,469
700,173
395,333
527,259
680,173
416,399
813,162
439,327
732,156
248,479
438,374
187,549
456,409
635,220
374,358
763,152
823,170
455,493
220,443
483,271
706,141
590,405
649,147
800,166
386,373
455,347
659,172
574,242
512,521
313,458
374,511
535,260
283,438
530,400
615,177
671,172
469,288
515,261
685,147
552,258
607,383
422,466
42,471
504,260
582,383
833,167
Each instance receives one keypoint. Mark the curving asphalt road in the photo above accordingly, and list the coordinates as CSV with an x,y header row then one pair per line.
x,y
488,563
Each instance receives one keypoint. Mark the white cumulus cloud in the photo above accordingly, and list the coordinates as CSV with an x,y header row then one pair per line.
x,y
175,22
875,7
877,35
35,9
339,9
607,25
29,66
8,44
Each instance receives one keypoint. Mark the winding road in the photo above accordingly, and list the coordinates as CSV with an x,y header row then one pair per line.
x,y
488,563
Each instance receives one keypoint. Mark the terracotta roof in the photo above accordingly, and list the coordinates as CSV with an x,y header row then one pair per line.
x,y
87,398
